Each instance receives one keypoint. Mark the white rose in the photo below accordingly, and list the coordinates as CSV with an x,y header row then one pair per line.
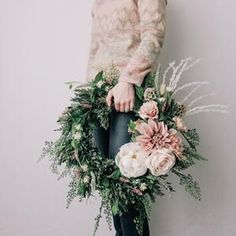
x,y
160,161
131,160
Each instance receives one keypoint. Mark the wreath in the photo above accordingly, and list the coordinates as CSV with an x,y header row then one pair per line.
x,y
160,144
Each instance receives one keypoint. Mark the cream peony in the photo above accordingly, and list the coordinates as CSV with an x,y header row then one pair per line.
x,y
149,110
160,161
131,160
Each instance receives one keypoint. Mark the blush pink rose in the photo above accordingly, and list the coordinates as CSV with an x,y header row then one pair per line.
x,y
160,162
149,110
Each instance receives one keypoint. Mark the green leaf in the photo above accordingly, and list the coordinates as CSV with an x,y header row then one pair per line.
x,y
139,91
162,117
149,80
115,208
74,143
132,125
115,175
105,183
98,77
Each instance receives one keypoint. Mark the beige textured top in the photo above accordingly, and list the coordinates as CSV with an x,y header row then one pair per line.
x,y
128,34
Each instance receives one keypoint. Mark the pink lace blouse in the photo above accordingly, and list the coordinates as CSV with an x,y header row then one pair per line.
x,y
128,34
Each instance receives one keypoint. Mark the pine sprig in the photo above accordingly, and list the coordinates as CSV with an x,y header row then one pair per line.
x,y
72,193
190,152
191,186
97,219
108,215
146,201
192,137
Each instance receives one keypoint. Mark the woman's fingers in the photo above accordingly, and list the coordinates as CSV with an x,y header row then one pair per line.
x,y
131,104
122,106
123,97
109,97
127,106
117,106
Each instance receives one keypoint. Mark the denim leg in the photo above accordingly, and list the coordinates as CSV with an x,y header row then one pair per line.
x,y
119,131
117,225
118,136
101,137
129,227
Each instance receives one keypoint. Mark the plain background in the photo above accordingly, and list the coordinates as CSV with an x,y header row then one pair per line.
x,y
44,43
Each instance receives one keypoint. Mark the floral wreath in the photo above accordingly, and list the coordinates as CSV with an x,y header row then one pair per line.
x,y
160,144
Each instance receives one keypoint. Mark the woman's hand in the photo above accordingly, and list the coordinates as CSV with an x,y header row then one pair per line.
x,y
124,95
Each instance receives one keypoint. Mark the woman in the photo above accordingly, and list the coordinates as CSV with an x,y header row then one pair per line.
x,y
128,34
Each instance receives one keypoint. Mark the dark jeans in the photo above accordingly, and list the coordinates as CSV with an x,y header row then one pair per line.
x,y
108,142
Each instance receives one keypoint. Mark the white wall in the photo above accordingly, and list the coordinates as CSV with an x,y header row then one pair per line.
x,y
44,43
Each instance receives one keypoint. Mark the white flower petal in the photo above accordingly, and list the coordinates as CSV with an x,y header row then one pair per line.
x,y
131,160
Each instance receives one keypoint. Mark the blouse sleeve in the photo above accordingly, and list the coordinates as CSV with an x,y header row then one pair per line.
x,y
152,15
93,48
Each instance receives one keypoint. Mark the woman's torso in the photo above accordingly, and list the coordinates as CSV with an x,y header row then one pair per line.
x,y
115,35
116,24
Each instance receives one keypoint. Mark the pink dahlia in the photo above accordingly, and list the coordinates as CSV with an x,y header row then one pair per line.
x,y
155,135
176,143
